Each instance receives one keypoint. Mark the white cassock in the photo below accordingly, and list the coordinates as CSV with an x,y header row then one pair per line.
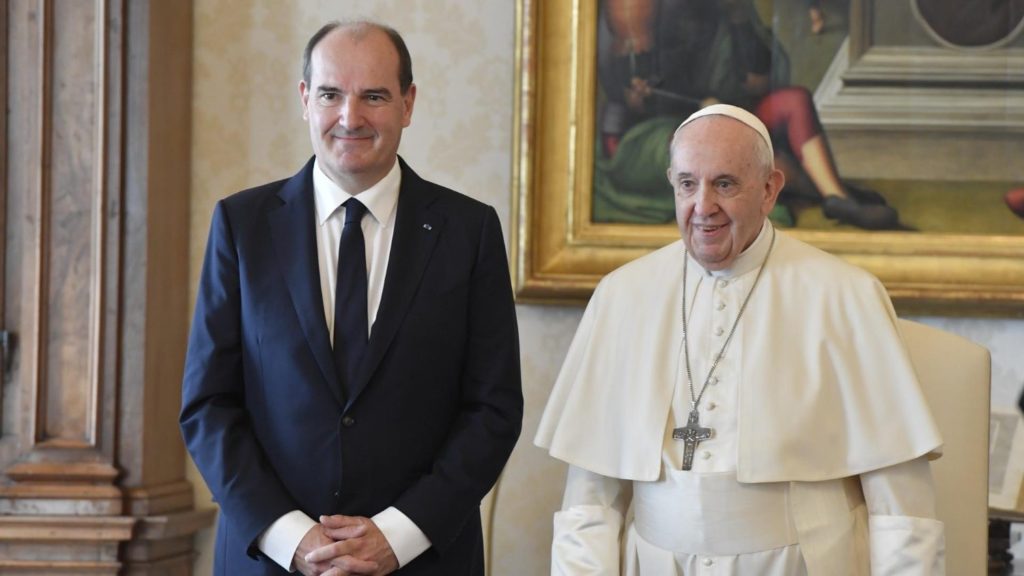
x,y
819,460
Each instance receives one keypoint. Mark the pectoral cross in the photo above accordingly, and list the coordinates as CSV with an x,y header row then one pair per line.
x,y
691,435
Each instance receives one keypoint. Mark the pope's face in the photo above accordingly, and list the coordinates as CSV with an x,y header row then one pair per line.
x,y
354,106
723,191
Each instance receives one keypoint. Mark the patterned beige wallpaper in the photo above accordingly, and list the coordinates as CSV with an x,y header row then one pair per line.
x,y
248,129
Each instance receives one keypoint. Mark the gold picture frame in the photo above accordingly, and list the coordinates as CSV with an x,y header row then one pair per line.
x,y
559,254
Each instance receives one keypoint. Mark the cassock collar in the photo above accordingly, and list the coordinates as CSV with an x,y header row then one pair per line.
x,y
748,260
380,199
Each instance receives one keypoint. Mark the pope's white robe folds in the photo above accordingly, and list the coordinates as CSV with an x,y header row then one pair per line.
x,y
826,392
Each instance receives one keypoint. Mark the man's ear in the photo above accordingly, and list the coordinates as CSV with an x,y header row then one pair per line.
x,y
408,99
304,97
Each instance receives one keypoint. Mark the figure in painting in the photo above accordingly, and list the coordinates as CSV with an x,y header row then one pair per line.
x,y
816,15
665,59
1015,201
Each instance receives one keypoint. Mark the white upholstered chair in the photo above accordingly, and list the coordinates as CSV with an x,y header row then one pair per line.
x,y
955,374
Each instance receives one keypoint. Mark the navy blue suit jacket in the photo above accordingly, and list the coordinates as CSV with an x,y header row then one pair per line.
x,y
437,406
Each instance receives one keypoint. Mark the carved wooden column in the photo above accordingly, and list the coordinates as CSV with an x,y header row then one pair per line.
x,y
95,212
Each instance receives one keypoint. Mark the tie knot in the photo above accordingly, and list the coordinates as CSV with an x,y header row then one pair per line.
x,y
354,211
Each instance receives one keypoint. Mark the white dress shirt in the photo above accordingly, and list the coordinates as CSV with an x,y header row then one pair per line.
x,y
282,538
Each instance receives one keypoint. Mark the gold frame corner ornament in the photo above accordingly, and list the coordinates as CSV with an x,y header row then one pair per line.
x,y
559,254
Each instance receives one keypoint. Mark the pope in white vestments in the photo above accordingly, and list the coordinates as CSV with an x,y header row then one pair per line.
x,y
739,402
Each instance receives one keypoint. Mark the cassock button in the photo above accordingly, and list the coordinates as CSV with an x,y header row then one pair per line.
x,y
719,331
712,406
708,561
348,421
705,455
720,305
722,283
714,380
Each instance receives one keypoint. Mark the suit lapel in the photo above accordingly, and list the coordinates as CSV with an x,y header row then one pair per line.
x,y
417,229
293,235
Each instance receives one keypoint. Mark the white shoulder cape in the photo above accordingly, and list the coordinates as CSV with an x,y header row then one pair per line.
x,y
826,387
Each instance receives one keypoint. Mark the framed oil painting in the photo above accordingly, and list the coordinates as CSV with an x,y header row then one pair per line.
x,y
899,124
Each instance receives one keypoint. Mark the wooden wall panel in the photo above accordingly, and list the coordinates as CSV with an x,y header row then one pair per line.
x,y
55,248
22,189
95,170
72,209
57,285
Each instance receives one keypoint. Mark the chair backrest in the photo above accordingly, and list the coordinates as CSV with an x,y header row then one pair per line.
x,y
955,374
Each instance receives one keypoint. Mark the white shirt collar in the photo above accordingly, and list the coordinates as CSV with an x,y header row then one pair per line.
x,y
380,199
749,259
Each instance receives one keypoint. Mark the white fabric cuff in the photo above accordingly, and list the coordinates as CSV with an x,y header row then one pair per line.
x,y
406,539
586,541
907,545
280,541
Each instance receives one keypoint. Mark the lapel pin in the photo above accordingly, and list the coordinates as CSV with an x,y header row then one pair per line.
x,y
428,227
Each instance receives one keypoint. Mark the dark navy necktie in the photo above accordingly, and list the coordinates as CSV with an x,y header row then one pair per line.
x,y
350,322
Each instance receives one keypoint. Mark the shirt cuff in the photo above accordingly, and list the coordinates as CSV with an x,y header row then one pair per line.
x,y
406,539
280,541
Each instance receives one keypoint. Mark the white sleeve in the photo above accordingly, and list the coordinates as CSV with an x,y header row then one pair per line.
x,y
905,537
588,528
280,540
406,539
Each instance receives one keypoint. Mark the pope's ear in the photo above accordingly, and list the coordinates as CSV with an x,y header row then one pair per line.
x,y
772,186
776,180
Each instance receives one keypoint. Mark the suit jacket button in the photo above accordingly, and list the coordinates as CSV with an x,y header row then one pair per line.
x,y
337,493
348,421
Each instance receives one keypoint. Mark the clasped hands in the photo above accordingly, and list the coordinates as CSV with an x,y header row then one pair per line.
x,y
343,546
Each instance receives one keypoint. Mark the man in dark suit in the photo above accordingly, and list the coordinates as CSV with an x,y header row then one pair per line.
x,y
352,387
